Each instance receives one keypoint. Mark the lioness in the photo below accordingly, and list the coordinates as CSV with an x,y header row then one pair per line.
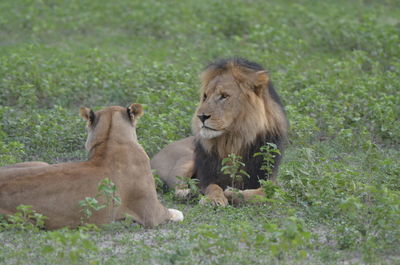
x,y
239,111
114,153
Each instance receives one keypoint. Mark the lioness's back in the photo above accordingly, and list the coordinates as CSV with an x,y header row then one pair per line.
x,y
114,153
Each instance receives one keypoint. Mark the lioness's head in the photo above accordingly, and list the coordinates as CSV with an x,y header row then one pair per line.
x,y
236,103
113,122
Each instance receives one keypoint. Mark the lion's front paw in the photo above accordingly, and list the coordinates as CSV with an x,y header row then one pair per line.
x,y
214,200
214,195
234,196
183,194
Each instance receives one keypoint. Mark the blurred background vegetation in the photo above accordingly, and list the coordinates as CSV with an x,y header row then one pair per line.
x,y
336,65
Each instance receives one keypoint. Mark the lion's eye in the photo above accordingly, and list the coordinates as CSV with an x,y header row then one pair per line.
x,y
223,96
204,97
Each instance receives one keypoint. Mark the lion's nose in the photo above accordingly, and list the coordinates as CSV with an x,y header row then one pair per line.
x,y
203,117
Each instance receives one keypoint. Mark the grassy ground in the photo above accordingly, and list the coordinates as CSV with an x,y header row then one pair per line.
x,y
336,65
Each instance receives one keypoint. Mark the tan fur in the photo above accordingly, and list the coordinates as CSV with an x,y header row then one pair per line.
x,y
244,196
28,164
234,124
175,160
214,195
114,153
251,112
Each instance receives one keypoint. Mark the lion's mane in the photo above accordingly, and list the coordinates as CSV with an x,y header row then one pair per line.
x,y
262,120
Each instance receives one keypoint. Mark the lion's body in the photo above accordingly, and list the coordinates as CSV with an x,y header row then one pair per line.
x,y
208,165
114,153
239,111
180,161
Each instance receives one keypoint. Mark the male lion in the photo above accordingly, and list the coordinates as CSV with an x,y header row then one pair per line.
x,y
239,111
114,153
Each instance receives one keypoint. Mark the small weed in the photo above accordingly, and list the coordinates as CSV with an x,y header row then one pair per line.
x,y
289,237
88,205
268,153
75,246
106,189
158,182
269,187
231,166
192,187
25,219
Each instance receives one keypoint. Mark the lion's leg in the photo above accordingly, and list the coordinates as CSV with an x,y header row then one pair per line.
x,y
244,196
214,195
176,159
184,168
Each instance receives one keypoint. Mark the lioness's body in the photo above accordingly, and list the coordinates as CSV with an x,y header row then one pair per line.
x,y
26,164
114,153
239,111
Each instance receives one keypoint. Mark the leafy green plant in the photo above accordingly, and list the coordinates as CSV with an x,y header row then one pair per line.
x,y
10,153
106,189
269,187
24,219
158,182
268,152
88,205
231,166
206,239
286,238
191,185
74,246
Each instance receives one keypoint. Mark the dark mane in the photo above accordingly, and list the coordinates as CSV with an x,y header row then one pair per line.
x,y
208,165
224,64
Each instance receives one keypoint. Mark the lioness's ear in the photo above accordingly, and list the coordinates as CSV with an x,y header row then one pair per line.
x,y
87,114
136,110
261,81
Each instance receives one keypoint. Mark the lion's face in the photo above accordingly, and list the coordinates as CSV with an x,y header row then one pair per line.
x,y
235,108
220,106
226,106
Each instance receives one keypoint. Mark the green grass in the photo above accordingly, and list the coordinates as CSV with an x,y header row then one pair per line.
x,y
336,65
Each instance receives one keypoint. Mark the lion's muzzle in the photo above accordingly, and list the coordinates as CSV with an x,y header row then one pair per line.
x,y
203,117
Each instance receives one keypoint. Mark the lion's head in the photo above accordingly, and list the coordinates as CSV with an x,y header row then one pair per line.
x,y
237,105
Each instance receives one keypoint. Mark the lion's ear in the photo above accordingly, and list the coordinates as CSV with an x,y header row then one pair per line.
x,y
261,81
87,114
135,110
